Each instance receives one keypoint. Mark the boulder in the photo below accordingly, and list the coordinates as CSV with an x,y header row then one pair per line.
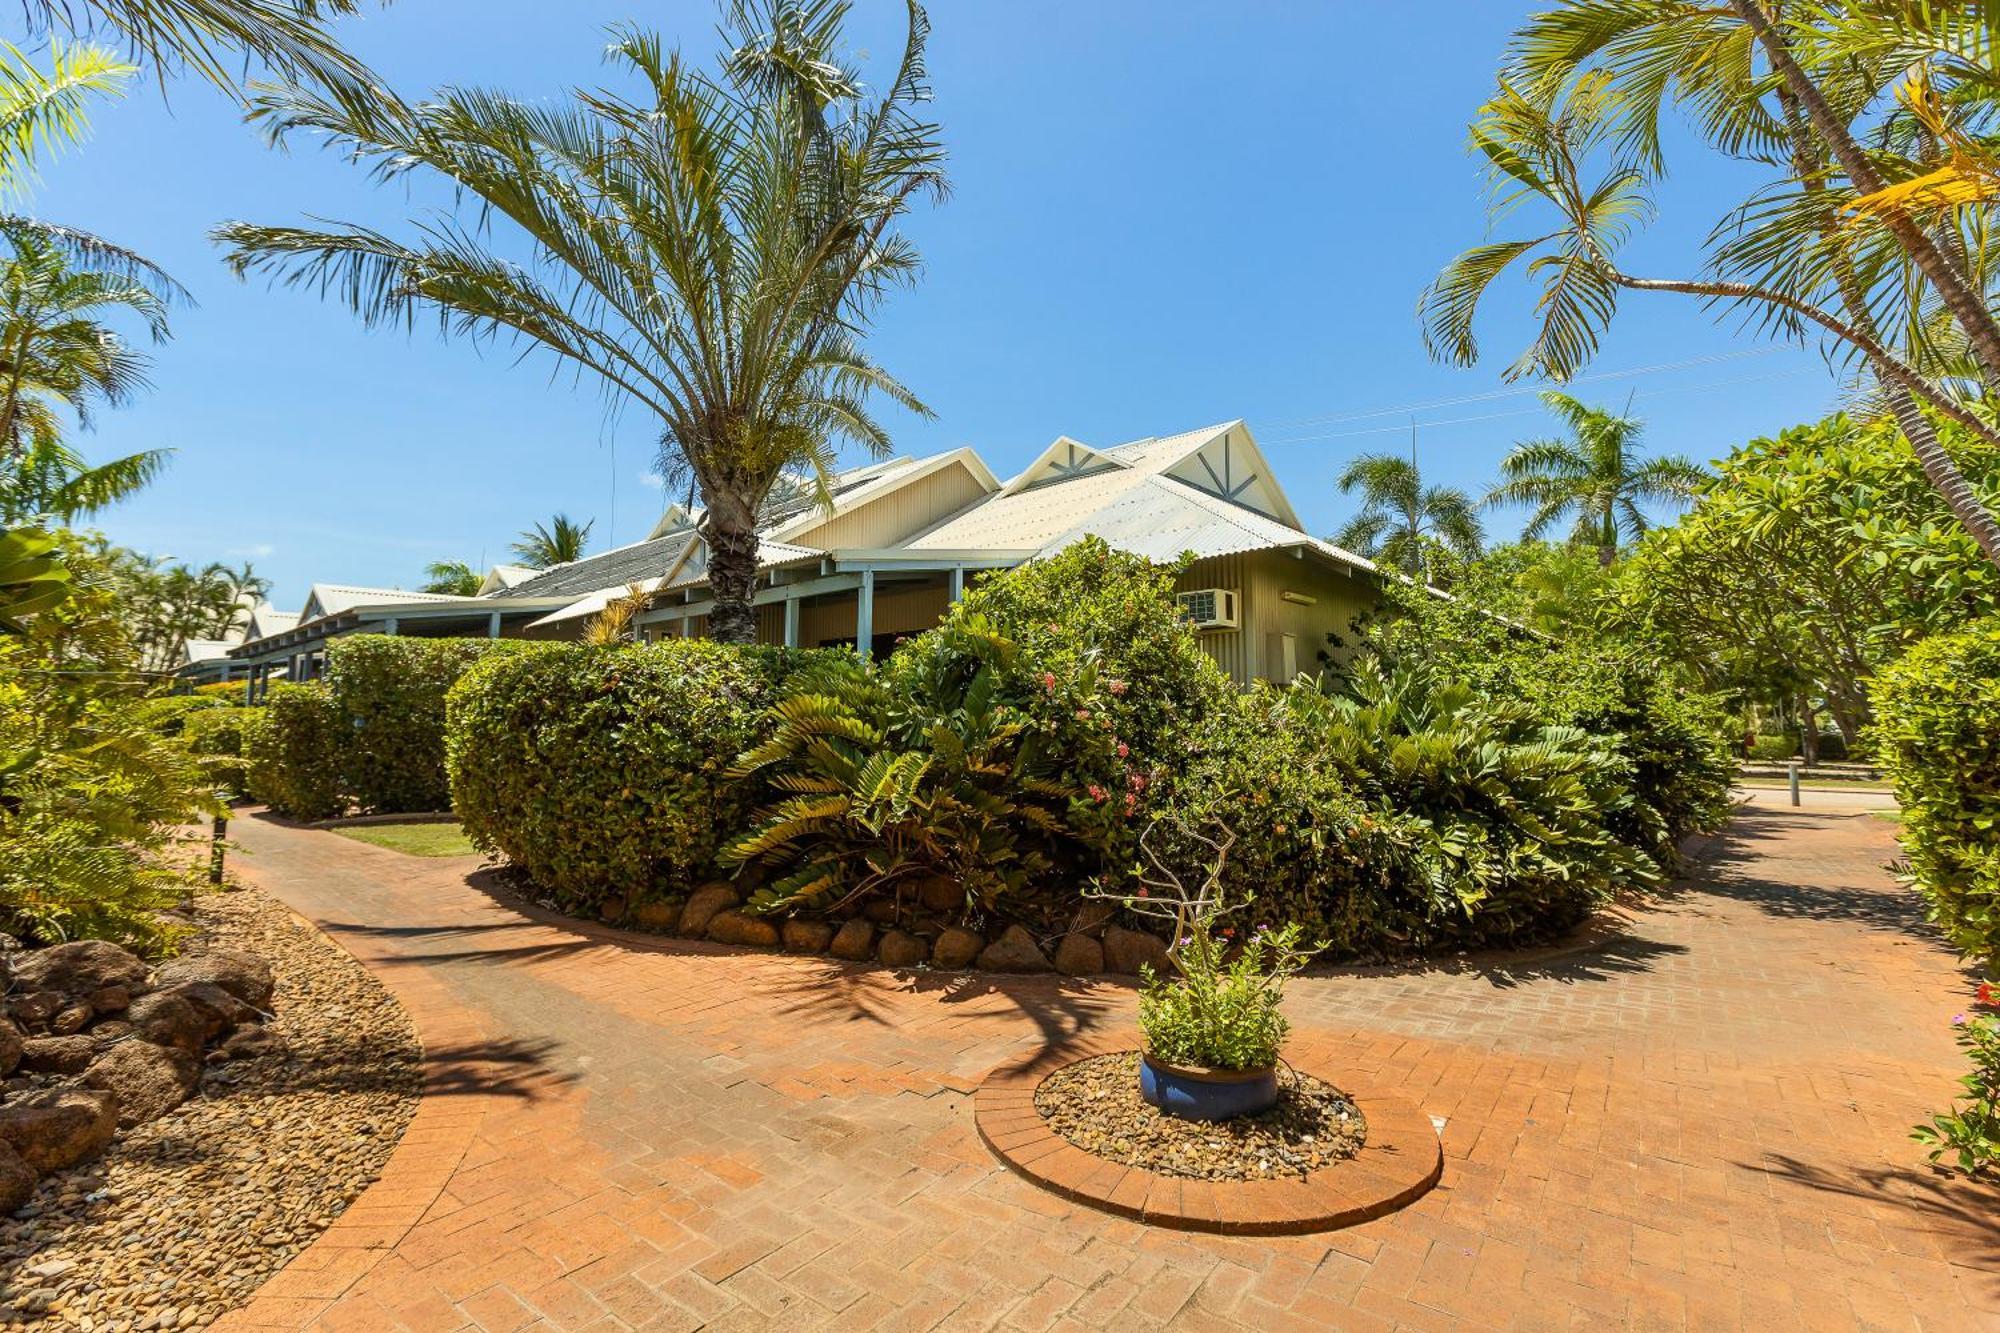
x,y
1128,950
17,1180
941,895
34,1009
147,1080
70,1020
111,999
219,1010
656,915
854,941
10,1047
702,905
244,975
611,910
803,936
882,911
1014,951
1079,956
956,948
734,927
79,969
58,1127
1092,918
247,1043
170,1020
899,948
58,1055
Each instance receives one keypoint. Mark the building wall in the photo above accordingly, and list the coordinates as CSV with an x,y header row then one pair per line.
x,y
1256,651
894,518
899,609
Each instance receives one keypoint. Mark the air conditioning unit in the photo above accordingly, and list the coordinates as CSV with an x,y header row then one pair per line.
x,y
1210,608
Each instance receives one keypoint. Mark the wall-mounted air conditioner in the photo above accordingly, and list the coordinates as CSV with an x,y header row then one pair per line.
x,y
1210,608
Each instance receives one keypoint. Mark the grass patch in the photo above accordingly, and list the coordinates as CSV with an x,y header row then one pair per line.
x,y
413,839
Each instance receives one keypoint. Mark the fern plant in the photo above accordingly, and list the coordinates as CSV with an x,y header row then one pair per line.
x,y
921,770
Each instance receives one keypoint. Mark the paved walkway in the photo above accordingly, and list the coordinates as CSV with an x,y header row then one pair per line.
x,y
1703,1124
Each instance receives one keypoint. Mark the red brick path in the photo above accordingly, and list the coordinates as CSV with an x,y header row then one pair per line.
x,y
1701,1125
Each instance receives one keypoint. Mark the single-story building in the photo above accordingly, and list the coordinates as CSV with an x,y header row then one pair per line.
x,y
901,539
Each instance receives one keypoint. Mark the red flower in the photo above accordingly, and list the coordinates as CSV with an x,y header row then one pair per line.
x,y
1118,687
1988,995
1124,750
1049,681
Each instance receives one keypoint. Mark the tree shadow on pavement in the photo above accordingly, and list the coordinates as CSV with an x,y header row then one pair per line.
x,y
1731,871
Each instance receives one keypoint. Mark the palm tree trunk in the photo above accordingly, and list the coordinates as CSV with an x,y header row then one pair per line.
x,y
730,528
1966,305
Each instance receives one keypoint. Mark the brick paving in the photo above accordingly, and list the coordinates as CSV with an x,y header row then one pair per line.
x,y
1700,1123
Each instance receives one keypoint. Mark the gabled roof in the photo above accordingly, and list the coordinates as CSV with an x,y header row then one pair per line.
x,y
1163,517
1065,460
861,486
205,650
266,619
649,559
502,577
327,599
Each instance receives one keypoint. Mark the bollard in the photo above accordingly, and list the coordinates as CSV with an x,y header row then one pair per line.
x,y
1792,769
221,831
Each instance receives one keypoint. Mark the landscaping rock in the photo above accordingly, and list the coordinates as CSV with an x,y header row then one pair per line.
x,y
611,910
17,1179
803,936
1092,918
1079,956
10,1047
657,915
854,941
219,1009
957,948
882,911
733,927
147,1080
702,905
169,1020
111,999
1127,950
79,969
70,1020
244,975
58,1055
59,1127
941,894
247,1043
34,1009
899,948
1014,951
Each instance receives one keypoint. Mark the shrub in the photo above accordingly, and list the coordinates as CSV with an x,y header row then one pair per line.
x,y
924,770
229,691
1971,1132
602,772
167,714
1774,748
294,752
391,691
1937,736
216,738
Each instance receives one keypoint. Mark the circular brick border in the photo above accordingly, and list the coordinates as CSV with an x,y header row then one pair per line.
x,y
1398,1165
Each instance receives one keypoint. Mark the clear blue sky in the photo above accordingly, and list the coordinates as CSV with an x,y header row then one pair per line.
x,y
1164,215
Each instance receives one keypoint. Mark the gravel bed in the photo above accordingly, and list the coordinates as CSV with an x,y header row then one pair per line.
x,y
183,1218
1095,1104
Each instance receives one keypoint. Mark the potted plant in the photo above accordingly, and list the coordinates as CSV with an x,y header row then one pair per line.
x,y
1213,1027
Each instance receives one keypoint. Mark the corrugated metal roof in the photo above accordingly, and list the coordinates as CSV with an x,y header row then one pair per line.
x,y
333,598
266,620
610,569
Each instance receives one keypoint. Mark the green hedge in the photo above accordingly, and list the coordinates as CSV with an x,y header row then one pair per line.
x,y
294,749
167,714
600,771
1937,735
391,691
218,737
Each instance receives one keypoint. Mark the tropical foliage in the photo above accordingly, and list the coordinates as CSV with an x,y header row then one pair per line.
x,y
561,541
210,37
1594,477
1403,522
1969,1133
452,576
708,249
167,604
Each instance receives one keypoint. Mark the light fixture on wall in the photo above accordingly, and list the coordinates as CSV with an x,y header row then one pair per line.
x,y
1297,598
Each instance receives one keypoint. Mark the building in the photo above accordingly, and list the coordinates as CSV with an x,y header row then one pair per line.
x,y
894,543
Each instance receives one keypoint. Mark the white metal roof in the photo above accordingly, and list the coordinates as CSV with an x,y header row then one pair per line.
x,y
328,599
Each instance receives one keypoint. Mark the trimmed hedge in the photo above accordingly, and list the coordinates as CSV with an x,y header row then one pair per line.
x,y
167,714
294,750
391,691
217,737
600,771
1937,735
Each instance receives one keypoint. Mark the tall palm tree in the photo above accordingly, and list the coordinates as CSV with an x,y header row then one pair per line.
x,y
1401,519
202,36
58,362
710,249
454,576
561,542
1595,477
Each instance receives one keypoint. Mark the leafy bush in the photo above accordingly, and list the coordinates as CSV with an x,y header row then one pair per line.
x,y
294,752
216,738
1937,736
167,714
1774,748
391,690
229,691
602,772
1971,1132
923,770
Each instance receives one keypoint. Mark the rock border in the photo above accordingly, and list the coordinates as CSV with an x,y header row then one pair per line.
x,y
1402,1159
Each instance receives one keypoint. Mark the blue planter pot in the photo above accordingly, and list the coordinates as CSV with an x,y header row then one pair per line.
x,y
1206,1094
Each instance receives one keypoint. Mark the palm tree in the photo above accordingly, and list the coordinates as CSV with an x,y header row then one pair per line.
x,y
203,35
1401,519
57,361
1595,477
560,543
455,576
710,250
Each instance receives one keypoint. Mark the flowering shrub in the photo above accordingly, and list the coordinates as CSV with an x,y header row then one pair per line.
x,y
1972,1130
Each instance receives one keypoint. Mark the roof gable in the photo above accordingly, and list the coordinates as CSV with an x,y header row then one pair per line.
x,y
1232,468
1063,460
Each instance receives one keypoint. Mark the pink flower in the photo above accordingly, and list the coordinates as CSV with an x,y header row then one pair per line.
x,y
1049,681
1096,792
1118,687
1083,715
1124,750
1131,803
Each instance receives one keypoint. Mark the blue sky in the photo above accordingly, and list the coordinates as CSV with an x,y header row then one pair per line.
x,y
1163,215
